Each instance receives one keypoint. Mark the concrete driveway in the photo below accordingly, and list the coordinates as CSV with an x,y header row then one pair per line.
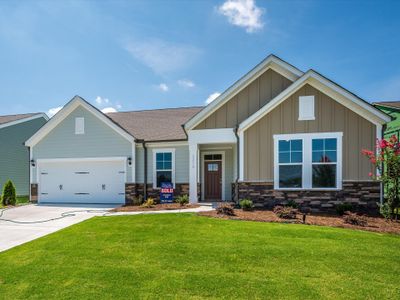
x,y
26,223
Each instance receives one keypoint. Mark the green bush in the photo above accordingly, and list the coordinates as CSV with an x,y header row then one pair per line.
x,y
138,200
343,207
9,196
182,200
246,204
385,210
292,203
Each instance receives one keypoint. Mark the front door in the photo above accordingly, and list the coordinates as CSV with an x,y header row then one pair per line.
x,y
212,180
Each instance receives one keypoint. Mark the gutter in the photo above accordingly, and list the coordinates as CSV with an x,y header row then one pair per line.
x,y
235,130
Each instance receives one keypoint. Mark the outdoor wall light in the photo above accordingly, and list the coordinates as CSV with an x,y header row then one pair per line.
x,y
130,161
33,163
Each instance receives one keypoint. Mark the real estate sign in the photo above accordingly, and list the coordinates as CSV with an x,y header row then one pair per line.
x,y
167,192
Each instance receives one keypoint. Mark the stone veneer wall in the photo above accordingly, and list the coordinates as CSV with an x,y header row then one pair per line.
x,y
135,189
363,195
34,192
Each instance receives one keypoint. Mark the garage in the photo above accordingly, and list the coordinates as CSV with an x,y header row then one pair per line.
x,y
95,181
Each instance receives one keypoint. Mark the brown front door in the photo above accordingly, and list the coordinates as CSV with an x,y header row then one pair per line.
x,y
212,180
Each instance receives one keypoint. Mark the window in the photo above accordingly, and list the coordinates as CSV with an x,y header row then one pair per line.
x,y
324,161
213,157
308,161
79,125
306,108
163,167
290,163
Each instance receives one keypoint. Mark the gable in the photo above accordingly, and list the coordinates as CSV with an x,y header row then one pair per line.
x,y
254,96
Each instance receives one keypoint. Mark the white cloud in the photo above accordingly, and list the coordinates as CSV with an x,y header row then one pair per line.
x,y
243,13
212,97
161,56
107,110
163,87
102,101
186,83
52,111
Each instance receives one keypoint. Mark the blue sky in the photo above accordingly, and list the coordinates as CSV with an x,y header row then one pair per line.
x,y
130,55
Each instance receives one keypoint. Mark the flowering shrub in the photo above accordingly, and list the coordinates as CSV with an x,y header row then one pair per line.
x,y
386,161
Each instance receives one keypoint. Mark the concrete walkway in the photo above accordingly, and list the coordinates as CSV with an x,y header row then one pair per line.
x,y
22,224
26,223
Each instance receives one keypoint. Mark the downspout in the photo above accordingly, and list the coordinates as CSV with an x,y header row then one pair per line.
x,y
145,171
235,130
382,195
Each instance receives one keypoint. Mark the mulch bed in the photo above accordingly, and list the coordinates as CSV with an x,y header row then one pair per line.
x,y
169,206
376,224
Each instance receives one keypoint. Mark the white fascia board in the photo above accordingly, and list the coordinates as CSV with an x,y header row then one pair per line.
x,y
271,62
65,111
37,116
163,144
332,90
212,136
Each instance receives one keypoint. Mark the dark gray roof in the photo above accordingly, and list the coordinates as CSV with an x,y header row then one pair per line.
x,y
155,125
392,104
11,118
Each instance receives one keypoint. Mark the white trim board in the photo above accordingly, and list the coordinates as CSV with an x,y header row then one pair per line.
x,y
332,90
271,62
202,184
65,111
27,119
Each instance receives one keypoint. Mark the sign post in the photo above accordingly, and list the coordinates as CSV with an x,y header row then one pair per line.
x,y
167,192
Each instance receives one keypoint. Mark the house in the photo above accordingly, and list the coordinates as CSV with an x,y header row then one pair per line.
x,y
14,156
391,108
277,134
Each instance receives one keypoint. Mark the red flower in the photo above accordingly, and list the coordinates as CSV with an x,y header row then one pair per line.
x,y
370,174
367,152
383,144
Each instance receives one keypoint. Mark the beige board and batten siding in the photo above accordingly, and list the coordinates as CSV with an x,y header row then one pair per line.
x,y
258,93
330,116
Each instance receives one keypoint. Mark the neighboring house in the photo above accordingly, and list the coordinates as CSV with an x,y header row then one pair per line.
x,y
14,156
391,108
277,134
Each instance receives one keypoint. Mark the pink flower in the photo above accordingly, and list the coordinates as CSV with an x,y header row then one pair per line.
x,y
383,144
370,174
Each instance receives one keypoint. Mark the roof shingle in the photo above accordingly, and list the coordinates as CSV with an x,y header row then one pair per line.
x,y
11,118
155,125
393,104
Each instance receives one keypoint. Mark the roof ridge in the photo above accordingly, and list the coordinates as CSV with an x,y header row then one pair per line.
x,y
157,109
35,113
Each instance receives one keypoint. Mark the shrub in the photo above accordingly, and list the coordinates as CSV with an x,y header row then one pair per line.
x,y
225,209
148,203
343,207
182,200
138,200
354,219
285,212
246,204
9,195
292,203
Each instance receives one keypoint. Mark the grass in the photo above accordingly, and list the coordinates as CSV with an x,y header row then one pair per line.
x,y
187,256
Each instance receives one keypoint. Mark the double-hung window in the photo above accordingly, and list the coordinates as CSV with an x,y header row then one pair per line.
x,y
163,167
308,161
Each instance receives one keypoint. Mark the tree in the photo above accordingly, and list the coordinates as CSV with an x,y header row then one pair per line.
x,y
9,196
386,161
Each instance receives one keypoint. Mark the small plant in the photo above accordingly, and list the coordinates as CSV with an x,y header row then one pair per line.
x,y
148,203
292,203
246,204
285,212
385,210
9,195
182,200
343,207
355,219
138,200
225,209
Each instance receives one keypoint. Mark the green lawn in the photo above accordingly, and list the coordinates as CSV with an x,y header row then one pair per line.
x,y
187,256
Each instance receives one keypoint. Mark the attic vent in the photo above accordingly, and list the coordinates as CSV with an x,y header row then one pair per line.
x,y
79,125
306,108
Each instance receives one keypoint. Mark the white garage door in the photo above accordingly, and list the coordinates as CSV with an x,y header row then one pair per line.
x,y
81,181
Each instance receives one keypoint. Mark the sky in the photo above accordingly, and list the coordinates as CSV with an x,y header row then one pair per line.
x,y
134,55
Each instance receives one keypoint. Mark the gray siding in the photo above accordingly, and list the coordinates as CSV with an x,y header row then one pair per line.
x,y
330,116
99,140
181,163
14,156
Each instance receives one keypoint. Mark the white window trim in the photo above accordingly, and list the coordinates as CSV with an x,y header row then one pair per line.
x,y
203,154
162,150
310,108
307,159
79,125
